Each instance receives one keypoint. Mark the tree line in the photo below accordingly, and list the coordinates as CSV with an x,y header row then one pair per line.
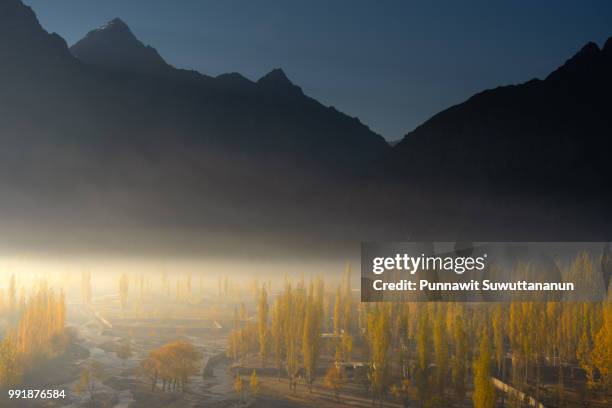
x,y
37,332
439,354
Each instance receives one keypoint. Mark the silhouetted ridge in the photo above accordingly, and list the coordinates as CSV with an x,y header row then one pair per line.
x,y
22,38
277,81
551,135
584,63
276,76
115,92
114,46
121,137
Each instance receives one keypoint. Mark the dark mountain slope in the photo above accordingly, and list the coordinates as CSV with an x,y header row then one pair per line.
x,y
551,135
86,146
522,162
90,149
21,31
125,94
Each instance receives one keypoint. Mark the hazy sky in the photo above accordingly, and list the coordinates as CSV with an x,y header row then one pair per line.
x,y
391,63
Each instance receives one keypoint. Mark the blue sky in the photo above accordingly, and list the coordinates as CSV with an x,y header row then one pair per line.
x,y
393,64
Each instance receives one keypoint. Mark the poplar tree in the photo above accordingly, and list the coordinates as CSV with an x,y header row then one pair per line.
x,y
379,340
498,324
458,368
10,370
254,383
338,325
484,393
311,337
440,341
423,359
12,294
123,290
277,335
602,350
347,305
262,319
239,386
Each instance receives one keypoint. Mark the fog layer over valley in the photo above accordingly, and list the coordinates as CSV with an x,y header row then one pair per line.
x,y
107,147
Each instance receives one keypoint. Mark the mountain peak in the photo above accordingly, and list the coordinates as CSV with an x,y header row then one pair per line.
x,y
277,81
113,46
581,64
114,30
589,48
277,75
116,24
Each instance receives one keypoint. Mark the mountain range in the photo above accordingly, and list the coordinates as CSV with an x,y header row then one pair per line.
x,y
107,135
113,73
